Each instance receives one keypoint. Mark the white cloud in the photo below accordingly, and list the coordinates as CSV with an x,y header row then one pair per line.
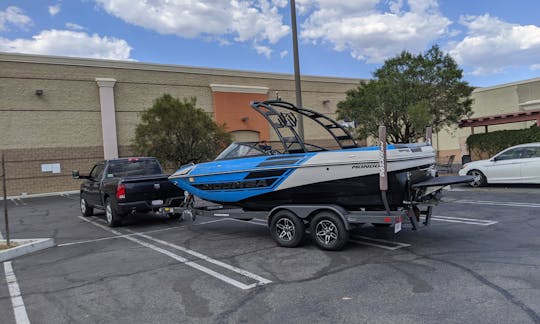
x,y
492,45
74,26
69,43
284,53
263,50
14,16
372,33
53,10
235,20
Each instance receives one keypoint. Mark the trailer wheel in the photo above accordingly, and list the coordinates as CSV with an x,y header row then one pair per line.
x,y
287,229
86,210
112,217
328,231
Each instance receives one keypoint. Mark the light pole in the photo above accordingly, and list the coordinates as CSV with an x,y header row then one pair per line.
x,y
297,84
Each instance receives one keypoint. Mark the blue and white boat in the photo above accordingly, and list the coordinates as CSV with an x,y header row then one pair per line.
x,y
261,175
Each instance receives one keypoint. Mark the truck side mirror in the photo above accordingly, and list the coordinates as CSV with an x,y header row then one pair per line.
x,y
75,174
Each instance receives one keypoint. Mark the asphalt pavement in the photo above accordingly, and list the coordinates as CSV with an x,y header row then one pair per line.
x,y
478,262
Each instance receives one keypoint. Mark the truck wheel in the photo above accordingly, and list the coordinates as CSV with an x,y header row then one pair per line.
x,y
287,229
86,210
328,231
112,217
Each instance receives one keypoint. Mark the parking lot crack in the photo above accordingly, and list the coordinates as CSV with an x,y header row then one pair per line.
x,y
505,293
92,282
225,315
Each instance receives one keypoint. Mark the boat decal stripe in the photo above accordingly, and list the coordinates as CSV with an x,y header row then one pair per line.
x,y
277,162
265,174
251,184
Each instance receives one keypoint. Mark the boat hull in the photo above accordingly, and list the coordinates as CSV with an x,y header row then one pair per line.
x,y
349,193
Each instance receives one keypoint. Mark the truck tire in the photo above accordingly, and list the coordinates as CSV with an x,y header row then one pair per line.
x,y
328,231
111,215
287,229
86,210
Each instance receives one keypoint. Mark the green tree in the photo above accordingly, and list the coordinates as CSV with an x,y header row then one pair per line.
x,y
407,94
176,132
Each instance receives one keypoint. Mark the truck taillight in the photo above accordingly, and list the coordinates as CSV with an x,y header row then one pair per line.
x,y
121,192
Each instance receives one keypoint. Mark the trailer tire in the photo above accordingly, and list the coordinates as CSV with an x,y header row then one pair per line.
x,y
328,231
287,229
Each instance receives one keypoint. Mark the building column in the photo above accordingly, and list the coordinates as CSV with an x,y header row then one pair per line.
x,y
108,117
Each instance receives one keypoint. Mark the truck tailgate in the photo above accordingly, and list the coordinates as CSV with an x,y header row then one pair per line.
x,y
150,188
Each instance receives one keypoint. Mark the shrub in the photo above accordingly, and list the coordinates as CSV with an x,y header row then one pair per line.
x,y
486,145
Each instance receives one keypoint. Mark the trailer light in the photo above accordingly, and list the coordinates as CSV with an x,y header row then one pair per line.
x,y
388,220
121,191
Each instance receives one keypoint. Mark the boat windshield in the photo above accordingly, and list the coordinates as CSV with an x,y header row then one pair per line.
x,y
239,150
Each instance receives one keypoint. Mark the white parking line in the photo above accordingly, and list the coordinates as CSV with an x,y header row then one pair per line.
x,y
261,280
495,203
21,317
185,261
124,235
471,221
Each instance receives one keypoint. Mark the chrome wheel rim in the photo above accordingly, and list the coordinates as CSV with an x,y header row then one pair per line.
x,y
108,213
285,229
326,232
477,179
83,205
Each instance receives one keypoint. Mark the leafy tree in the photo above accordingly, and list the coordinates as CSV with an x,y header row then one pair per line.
x,y
176,132
409,93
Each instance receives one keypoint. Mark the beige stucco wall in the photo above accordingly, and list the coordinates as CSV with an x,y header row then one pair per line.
x,y
64,124
507,98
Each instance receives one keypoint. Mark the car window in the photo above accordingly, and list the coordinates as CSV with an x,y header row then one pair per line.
x,y
97,172
531,152
133,167
510,154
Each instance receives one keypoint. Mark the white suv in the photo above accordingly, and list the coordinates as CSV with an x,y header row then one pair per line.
x,y
517,164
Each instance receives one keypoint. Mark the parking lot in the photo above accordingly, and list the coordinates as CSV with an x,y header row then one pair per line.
x,y
479,261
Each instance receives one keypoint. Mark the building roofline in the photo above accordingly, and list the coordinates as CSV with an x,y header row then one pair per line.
x,y
504,85
134,65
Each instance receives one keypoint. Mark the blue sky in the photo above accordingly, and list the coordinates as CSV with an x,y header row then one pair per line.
x,y
494,41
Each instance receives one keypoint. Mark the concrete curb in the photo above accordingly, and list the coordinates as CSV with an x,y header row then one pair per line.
x,y
25,246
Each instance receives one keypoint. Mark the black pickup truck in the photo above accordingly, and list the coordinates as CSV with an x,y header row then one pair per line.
x,y
125,186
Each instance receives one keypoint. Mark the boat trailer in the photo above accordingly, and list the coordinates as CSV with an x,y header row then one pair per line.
x,y
329,225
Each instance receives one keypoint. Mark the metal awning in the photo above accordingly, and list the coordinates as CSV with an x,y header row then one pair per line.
x,y
502,119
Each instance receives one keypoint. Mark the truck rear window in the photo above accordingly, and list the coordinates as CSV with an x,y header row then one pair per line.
x,y
130,168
